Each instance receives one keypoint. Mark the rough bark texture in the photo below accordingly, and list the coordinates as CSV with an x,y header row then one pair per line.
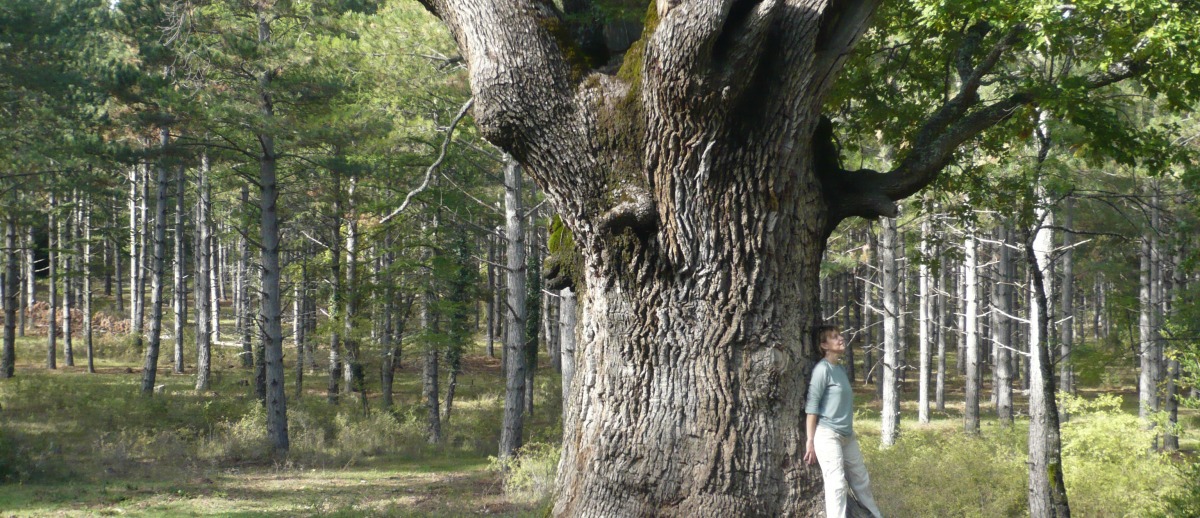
x,y
691,182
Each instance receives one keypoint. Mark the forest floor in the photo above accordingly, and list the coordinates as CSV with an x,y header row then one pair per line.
x,y
79,444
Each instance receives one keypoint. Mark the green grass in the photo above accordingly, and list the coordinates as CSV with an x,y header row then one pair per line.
x,y
79,444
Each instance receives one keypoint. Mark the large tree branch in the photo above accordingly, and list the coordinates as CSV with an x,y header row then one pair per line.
x,y
842,25
524,92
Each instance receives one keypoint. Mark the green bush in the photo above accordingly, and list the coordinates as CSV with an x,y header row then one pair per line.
x,y
529,475
934,473
1108,466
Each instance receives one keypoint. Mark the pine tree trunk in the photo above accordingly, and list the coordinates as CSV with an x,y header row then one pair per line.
x,y
54,239
429,373
943,324
134,267
566,329
336,293
1179,287
87,284
118,267
203,256
143,229
271,314
66,243
1065,373
493,289
353,370
1002,300
924,324
23,280
179,285
1147,382
890,411
971,346
157,265
11,288
1047,492
533,309
242,308
514,325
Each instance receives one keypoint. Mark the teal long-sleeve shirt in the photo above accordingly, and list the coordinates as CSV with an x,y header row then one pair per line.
x,y
831,396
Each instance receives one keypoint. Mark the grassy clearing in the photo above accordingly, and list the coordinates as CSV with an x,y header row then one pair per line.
x,y
76,444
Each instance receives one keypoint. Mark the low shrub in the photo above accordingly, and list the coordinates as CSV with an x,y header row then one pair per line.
x,y
529,475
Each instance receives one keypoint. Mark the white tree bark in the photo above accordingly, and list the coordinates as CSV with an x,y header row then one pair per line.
x,y
203,256
178,283
566,329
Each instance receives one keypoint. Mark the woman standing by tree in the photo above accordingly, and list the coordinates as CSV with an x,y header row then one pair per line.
x,y
830,425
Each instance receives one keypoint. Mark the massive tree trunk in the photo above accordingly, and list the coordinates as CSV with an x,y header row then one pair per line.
x,y
157,262
700,206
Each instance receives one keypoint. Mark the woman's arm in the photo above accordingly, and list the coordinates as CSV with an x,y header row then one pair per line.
x,y
810,454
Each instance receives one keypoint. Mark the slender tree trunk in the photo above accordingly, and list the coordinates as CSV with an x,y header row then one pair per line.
x,y
1047,492
118,267
179,285
203,256
533,310
23,280
890,412
943,324
242,308
924,324
353,371
1002,300
566,329
1179,285
157,265
65,245
214,275
336,293
54,239
11,252
143,229
493,289
271,301
971,347
429,374
1065,373
1147,383
134,267
514,342
87,284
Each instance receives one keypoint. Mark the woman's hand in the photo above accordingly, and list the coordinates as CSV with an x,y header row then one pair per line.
x,y
810,453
